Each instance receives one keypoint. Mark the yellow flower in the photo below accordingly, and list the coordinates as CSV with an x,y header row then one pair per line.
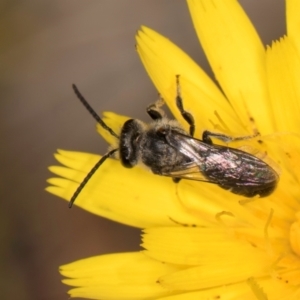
x,y
202,242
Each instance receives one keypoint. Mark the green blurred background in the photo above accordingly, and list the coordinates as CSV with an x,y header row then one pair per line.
x,y
45,47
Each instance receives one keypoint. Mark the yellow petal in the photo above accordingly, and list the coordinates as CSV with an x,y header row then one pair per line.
x,y
117,193
163,60
207,276
237,57
274,288
115,122
217,206
293,21
283,70
225,292
258,288
199,246
117,276
295,235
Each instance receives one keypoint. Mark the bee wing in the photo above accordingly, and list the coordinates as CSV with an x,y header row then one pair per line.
x,y
190,147
188,171
261,155
208,156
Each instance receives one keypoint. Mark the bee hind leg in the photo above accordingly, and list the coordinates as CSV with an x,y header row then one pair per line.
x,y
206,137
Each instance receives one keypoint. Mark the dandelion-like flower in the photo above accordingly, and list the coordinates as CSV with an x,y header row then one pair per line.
x,y
202,242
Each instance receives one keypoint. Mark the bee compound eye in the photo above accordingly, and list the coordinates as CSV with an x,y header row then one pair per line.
x,y
129,138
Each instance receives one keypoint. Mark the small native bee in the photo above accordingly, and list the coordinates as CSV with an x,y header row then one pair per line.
x,y
168,150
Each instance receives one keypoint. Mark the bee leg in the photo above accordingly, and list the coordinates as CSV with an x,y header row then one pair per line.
x,y
186,115
176,180
206,137
154,110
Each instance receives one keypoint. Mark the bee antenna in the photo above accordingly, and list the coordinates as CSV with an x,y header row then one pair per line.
x,y
92,112
89,175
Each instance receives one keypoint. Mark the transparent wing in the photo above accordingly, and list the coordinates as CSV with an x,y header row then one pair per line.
x,y
188,171
219,164
191,148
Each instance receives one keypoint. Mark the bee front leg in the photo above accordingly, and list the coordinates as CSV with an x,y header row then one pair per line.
x,y
186,115
154,110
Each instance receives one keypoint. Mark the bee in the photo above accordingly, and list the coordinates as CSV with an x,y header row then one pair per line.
x,y
165,148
